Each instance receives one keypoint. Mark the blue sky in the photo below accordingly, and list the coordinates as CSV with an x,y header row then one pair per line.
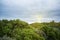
x,y
30,10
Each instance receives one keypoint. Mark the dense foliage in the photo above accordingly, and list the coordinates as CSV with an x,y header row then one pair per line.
x,y
20,30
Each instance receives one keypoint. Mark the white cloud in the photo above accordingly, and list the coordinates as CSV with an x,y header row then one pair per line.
x,y
30,9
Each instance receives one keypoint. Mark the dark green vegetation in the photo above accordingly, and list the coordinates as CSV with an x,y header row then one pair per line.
x,y
20,30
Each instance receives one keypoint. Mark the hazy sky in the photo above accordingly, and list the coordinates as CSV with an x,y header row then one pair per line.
x,y
30,10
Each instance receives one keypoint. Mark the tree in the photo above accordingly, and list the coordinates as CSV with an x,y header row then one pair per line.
x,y
26,34
51,33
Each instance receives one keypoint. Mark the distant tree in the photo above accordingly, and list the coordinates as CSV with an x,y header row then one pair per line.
x,y
51,33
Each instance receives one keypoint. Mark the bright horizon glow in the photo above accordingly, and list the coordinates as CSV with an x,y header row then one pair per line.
x,y
37,18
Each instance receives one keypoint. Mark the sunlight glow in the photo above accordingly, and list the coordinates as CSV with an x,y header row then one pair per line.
x,y
37,18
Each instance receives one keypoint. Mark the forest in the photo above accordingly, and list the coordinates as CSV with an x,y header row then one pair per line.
x,y
21,30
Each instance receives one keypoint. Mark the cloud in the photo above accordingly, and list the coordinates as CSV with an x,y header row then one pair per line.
x,y
30,10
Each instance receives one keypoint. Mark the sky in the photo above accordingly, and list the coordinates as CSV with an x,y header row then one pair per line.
x,y
30,10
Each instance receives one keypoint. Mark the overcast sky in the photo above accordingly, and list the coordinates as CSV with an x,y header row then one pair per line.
x,y
30,10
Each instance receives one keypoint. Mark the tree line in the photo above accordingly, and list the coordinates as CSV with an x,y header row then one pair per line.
x,y
21,30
